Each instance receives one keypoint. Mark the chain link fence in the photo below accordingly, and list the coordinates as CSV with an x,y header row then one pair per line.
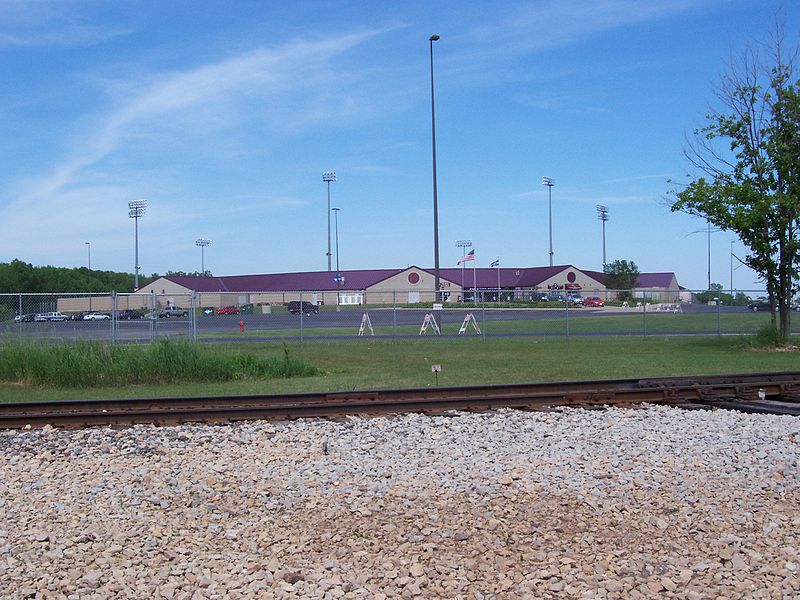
x,y
306,316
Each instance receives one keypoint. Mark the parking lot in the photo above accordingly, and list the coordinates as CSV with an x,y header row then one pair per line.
x,y
396,322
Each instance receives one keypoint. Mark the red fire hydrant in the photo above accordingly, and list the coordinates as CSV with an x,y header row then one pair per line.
x,y
241,326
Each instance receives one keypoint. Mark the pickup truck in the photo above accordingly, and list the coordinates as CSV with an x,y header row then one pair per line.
x,y
172,311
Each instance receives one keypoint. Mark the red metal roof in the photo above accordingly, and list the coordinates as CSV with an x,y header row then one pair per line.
x,y
484,277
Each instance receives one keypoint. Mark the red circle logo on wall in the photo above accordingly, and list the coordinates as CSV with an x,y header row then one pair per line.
x,y
413,278
571,277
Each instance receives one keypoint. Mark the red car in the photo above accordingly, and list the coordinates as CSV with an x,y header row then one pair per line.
x,y
593,301
228,310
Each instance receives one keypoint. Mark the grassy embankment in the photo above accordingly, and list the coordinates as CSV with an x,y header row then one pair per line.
x,y
368,363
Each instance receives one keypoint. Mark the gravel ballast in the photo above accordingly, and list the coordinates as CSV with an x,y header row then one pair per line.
x,y
618,503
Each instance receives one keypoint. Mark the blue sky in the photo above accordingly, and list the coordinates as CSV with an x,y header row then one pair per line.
x,y
225,115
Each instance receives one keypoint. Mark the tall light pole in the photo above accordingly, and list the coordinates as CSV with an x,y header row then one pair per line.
x,y
202,242
602,214
463,244
336,222
136,210
327,177
436,284
550,182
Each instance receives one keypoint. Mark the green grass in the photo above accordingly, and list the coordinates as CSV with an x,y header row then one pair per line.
x,y
93,364
368,363
553,324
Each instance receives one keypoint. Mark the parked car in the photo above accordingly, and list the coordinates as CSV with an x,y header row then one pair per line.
x,y
228,310
95,316
77,316
50,316
173,311
129,313
595,301
295,306
575,299
759,304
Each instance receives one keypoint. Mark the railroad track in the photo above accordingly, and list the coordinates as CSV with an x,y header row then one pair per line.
x,y
777,393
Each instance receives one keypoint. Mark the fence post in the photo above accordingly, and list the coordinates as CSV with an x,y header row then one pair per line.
x,y
394,315
483,316
113,317
153,316
644,317
301,317
566,303
719,326
193,304
20,318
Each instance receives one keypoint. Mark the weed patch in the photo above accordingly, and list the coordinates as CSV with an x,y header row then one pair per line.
x,y
93,364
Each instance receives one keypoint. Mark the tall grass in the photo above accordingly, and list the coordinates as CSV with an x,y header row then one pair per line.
x,y
92,364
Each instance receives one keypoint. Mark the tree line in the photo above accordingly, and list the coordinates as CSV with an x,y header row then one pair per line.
x,y
18,276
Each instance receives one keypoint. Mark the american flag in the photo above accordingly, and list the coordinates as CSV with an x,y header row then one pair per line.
x,y
496,263
468,256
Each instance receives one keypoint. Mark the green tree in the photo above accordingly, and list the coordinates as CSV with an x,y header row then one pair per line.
x,y
20,277
621,275
752,186
715,292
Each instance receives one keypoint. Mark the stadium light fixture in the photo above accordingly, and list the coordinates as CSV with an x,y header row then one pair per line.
x,y
550,182
602,214
202,242
136,210
327,177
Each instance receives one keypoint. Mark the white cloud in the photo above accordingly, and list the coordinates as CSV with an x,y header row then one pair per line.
x,y
74,36
539,26
47,23
172,97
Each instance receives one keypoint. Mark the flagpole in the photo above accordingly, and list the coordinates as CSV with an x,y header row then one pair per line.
x,y
498,279
474,281
463,244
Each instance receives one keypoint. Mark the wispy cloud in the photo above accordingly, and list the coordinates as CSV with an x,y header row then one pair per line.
x,y
107,165
638,178
539,26
167,99
49,23
246,202
491,51
72,36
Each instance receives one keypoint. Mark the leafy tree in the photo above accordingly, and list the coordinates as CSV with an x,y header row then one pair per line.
x,y
20,277
621,275
740,299
715,292
205,273
752,187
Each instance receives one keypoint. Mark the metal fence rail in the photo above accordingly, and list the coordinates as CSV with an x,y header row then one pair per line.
x,y
307,316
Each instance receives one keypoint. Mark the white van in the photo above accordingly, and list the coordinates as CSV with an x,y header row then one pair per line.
x,y
50,316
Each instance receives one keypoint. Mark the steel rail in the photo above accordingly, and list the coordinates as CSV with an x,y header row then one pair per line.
x,y
713,390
